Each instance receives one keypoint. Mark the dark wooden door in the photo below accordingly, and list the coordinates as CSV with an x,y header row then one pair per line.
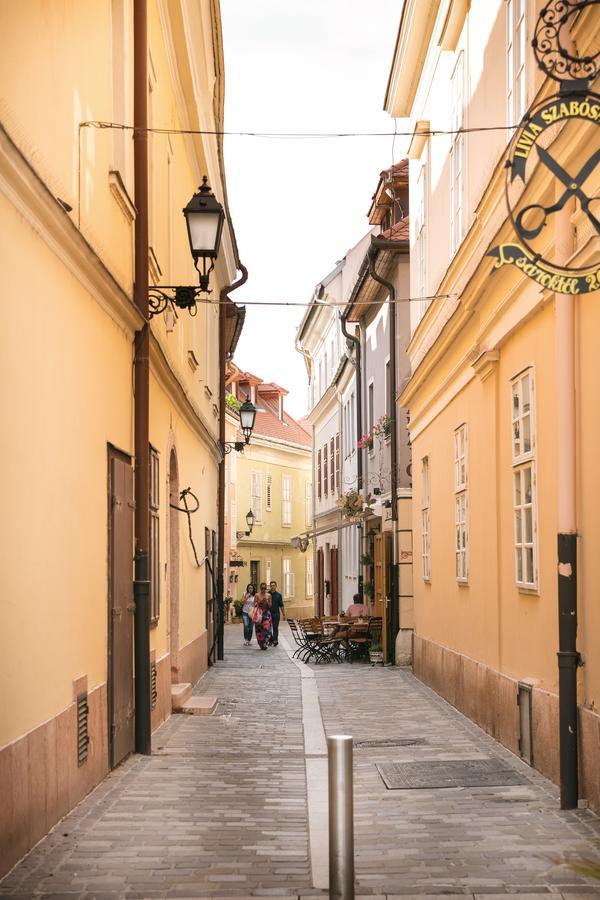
x,y
320,582
121,608
333,568
255,573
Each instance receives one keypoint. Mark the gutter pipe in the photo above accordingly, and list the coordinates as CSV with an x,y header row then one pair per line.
x,y
223,296
141,584
394,623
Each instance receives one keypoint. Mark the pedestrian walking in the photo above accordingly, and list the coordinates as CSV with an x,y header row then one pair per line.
x,y
277,610
248,600
261,615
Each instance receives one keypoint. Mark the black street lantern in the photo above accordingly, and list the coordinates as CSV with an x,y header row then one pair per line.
x,y
247,417
204,216
250,519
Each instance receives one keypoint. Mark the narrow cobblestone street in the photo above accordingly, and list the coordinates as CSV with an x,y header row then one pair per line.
x,y
221,807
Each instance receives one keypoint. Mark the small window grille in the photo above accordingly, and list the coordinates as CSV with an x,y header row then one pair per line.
x,y
153,685
83,738
524,698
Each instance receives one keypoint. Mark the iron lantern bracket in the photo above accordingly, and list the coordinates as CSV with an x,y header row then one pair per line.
x,y
179,296
238,446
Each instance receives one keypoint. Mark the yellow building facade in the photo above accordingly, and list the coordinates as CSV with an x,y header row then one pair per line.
x,y
273,480
67,216
487,419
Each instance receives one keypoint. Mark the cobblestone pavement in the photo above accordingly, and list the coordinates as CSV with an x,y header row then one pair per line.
x,y
220,809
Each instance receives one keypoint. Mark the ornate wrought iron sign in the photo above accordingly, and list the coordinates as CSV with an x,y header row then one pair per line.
x,y
532,149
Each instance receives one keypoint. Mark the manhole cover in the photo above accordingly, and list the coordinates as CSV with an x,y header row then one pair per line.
x,y
391,742
448,774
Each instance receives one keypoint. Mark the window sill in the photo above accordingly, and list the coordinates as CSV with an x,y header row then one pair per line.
x,y
532,591
462,582
427,580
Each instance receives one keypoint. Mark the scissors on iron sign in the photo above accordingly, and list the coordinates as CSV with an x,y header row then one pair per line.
x,y
573,189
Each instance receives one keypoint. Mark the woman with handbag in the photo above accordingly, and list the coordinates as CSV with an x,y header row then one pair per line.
x,y
261,616
248,599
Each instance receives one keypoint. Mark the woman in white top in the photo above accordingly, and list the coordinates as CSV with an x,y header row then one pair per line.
x,y
248,598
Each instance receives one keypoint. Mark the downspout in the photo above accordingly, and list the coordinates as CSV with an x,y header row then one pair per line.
x,y
223,298
359,428
568,656
141,585
395,611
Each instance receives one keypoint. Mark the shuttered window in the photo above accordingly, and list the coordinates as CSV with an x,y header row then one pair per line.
x,y
332,465
309,578
256,495
337,463
269,493
154,560
286,505
288,579
325,471
319,485
308,502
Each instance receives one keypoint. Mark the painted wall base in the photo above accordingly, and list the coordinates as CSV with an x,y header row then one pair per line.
x,y
404,647
40,781
489,698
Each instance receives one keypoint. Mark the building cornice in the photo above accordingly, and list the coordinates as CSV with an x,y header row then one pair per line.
x,y
30,196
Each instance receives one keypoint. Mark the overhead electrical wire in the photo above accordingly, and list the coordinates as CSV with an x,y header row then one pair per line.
x,y
301,135
334,303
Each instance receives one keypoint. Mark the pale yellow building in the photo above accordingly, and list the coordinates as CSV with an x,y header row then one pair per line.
x,y
502,392
67,218
273,480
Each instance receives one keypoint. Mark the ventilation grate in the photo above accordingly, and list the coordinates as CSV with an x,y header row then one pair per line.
x,y
153,687
390,742
83,738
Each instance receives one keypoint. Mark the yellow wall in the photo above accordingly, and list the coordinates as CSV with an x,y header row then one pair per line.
x,y
66,347
271,539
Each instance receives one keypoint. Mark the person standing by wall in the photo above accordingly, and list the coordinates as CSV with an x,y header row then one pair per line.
x,y
261,616
248,598
277,609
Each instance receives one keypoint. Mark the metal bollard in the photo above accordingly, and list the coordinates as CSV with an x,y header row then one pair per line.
x,y
341,818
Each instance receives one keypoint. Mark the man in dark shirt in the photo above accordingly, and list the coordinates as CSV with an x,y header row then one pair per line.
x,y
276,609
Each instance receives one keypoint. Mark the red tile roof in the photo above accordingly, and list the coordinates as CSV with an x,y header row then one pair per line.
x,y
398,232
268,424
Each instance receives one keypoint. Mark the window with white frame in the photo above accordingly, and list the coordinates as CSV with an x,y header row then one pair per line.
x,y
286,494
308,514
288,579
371,410
461,549
256,495
269,493
425,505
516,46
267,570
309,578
457,152
524,481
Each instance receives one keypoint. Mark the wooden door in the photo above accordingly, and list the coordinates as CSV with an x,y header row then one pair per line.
x,y
121,608
381,598
333,568
320,582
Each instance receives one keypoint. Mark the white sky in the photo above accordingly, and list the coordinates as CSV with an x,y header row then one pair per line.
x,y
298,205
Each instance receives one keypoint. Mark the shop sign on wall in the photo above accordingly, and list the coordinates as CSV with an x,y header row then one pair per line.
x,y
537,142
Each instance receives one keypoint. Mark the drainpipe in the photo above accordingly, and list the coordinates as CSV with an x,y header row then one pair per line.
x,y
395,611
223,297
141,585
359,459
568,657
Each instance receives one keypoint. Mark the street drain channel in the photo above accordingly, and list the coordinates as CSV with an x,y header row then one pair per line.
x,y
448,774
390,742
